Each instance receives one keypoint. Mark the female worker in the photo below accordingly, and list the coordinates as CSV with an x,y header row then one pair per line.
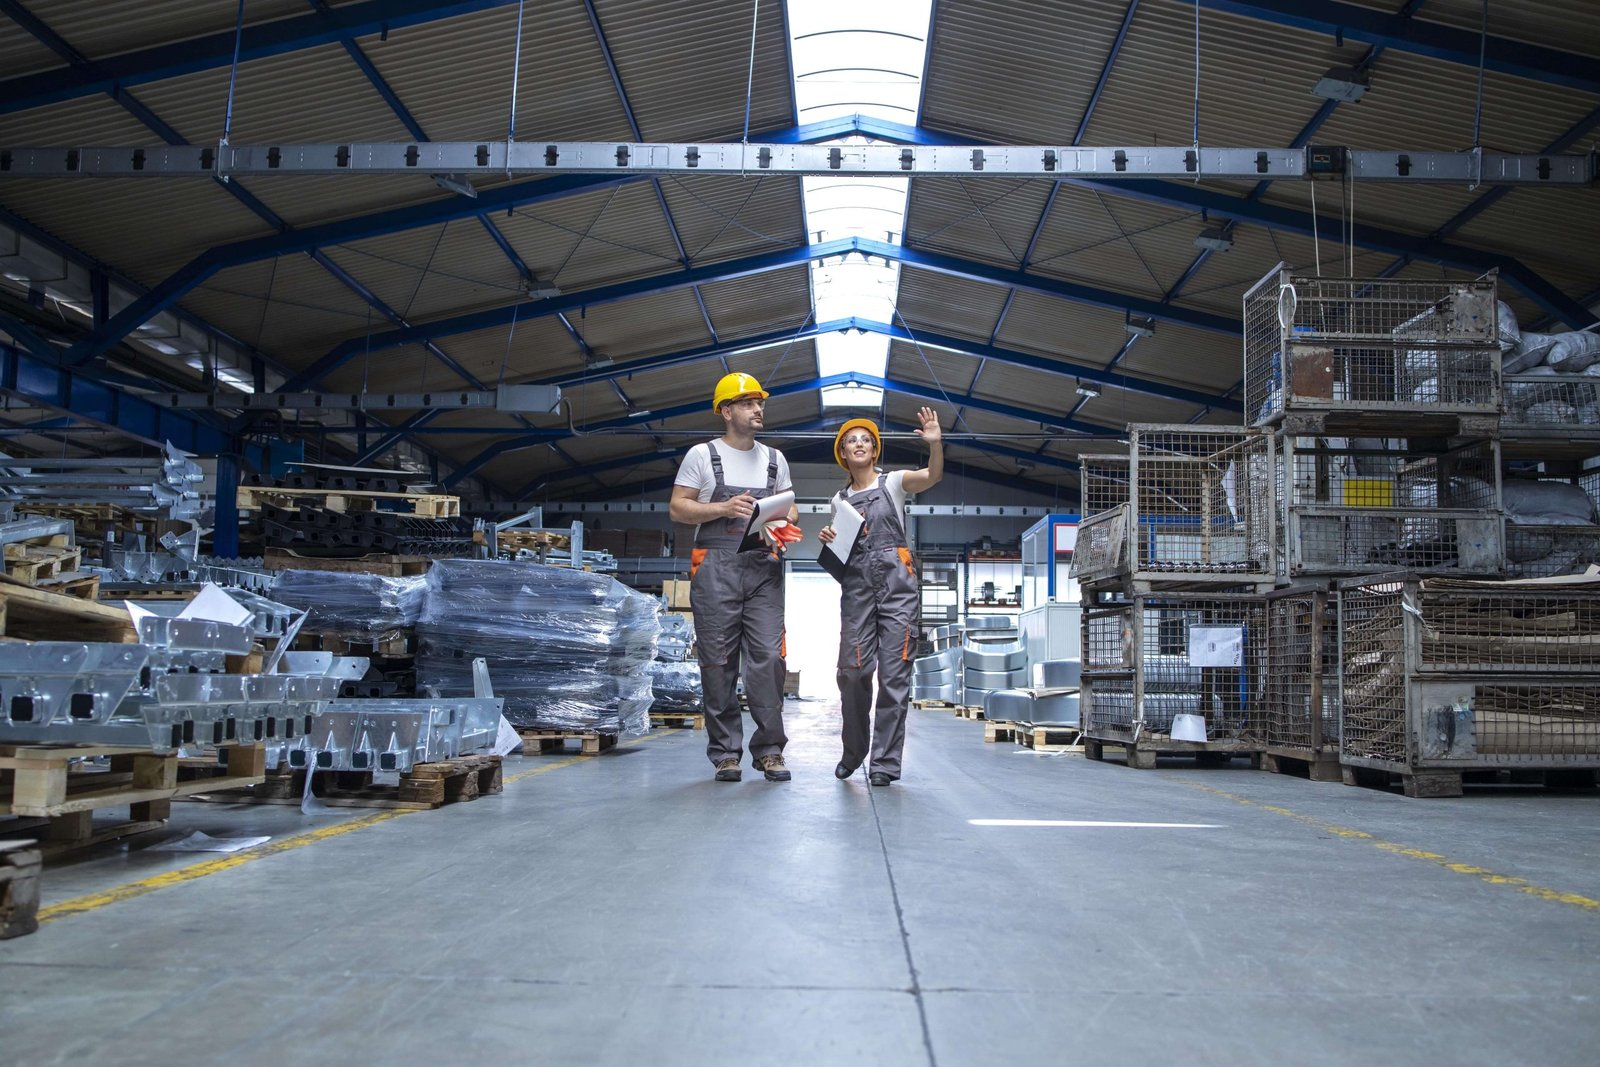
x,y
879,604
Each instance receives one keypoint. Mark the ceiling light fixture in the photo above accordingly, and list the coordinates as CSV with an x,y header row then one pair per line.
x,y
1214,239
1140,327
455,183
1344,84
1087,391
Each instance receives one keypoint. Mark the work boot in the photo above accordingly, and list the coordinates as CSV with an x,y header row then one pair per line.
x,y
879,778
843,771
773,768
728,770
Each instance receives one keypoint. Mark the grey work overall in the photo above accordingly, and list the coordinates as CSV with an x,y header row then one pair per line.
x,y
737,598
877,633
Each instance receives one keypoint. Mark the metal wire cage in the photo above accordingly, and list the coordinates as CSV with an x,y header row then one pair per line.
x,y
1299,714
1375,344
1179,508
1554,408
1546,551
1153,657
1350,506
1459,675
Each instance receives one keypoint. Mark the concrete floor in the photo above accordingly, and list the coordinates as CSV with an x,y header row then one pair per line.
x,y
629,910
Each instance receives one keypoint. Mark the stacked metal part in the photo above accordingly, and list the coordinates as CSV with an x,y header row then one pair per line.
x,y
319,531
167,483
938,677
992,657
359,607
674,673
569,649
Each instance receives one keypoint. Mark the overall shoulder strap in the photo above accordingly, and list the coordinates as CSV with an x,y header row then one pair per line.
x,y
716,464
772,470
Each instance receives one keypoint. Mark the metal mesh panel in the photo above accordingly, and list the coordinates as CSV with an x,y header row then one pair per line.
x,y
1302,673
1199,515
1559,404
1553,723
1544,551
1493,630
1353,506
1183,655
1104,481
1102,548
1317,344
1372,674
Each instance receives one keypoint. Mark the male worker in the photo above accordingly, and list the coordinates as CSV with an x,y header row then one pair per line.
x,y
737,596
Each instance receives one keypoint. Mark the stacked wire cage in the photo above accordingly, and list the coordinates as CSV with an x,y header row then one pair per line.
x,y
1550,435
1173,557
1353,505
1368,350
1299,710
1439,677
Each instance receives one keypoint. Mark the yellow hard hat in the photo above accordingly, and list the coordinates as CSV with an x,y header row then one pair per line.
x,y
856,424
735,386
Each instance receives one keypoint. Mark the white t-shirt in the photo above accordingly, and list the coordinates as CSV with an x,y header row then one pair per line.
x,y
895,483
742,468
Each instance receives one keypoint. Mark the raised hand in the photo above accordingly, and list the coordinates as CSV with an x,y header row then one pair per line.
x,y
930,425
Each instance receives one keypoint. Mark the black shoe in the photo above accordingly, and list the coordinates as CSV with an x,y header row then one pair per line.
x,y
879,778
842,772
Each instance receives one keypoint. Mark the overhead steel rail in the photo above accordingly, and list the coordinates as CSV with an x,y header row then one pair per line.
x,y
496,159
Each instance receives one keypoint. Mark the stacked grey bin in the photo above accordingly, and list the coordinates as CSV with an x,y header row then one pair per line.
x,y
992,657
938,677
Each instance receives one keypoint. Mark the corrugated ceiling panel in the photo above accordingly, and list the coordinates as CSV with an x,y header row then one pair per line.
x,y
92,120
22,53
942,371
1082,242
1048,326
1116,408
98,28
594,239
395,370
270,99
720,218
306,200
759,303
1550,230
949,305
659,390
1567,25
289,308
141,228
989,219
1032,390
1197,358
428,274
1165,248
1024,71
644,325
1254,81
455,76
686,74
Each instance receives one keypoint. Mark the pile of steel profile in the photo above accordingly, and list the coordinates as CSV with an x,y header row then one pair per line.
x,y
168,483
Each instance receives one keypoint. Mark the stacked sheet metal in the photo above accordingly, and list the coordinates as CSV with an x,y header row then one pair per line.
x,y
937,677
569,650
992,656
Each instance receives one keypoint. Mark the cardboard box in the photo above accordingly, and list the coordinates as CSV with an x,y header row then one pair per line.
x,y
676,592
612,541
646,543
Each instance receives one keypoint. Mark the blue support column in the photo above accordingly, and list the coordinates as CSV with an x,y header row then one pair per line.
x,y
225,526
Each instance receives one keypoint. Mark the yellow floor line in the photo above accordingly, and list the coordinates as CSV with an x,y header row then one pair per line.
x,y
1521,885
167,879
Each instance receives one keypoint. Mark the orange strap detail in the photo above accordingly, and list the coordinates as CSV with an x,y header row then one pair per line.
x,y
783,644
905,649
905,557
697,557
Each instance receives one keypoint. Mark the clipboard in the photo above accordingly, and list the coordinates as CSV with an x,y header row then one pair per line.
x,y
847,525
768,508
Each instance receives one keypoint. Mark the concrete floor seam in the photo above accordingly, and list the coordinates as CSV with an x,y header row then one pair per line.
x,y
905,936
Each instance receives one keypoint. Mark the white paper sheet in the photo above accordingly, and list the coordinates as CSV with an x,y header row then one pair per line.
x,y
214,604
1216,646
772,507
199,842
507,739
847,524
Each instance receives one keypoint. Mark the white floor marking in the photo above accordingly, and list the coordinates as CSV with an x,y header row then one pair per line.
x,y
1082,823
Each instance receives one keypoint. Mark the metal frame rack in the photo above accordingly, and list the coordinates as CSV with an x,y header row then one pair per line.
x,y
1441,677
1151,657
1299,710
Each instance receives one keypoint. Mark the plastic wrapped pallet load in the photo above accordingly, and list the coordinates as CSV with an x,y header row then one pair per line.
x,y
362,607
567,649
675,685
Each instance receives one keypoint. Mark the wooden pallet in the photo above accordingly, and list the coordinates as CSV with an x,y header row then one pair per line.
x,y
31,562
425,787
968,711
690,720
995,730
35,614
399,646
1048,738
511,541
1317,766
20,864
547,741
41,781
1141,754
920,704
383,564
346,500
73,584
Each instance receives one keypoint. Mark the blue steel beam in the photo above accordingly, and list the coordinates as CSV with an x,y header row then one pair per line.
x,y
1437,41
1105,70
343,23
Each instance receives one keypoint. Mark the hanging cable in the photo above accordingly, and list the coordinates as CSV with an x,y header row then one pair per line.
x,y
911,334
1197,89
792,339
1483,47
516,73
510,334
750,80
1316,240
233,74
